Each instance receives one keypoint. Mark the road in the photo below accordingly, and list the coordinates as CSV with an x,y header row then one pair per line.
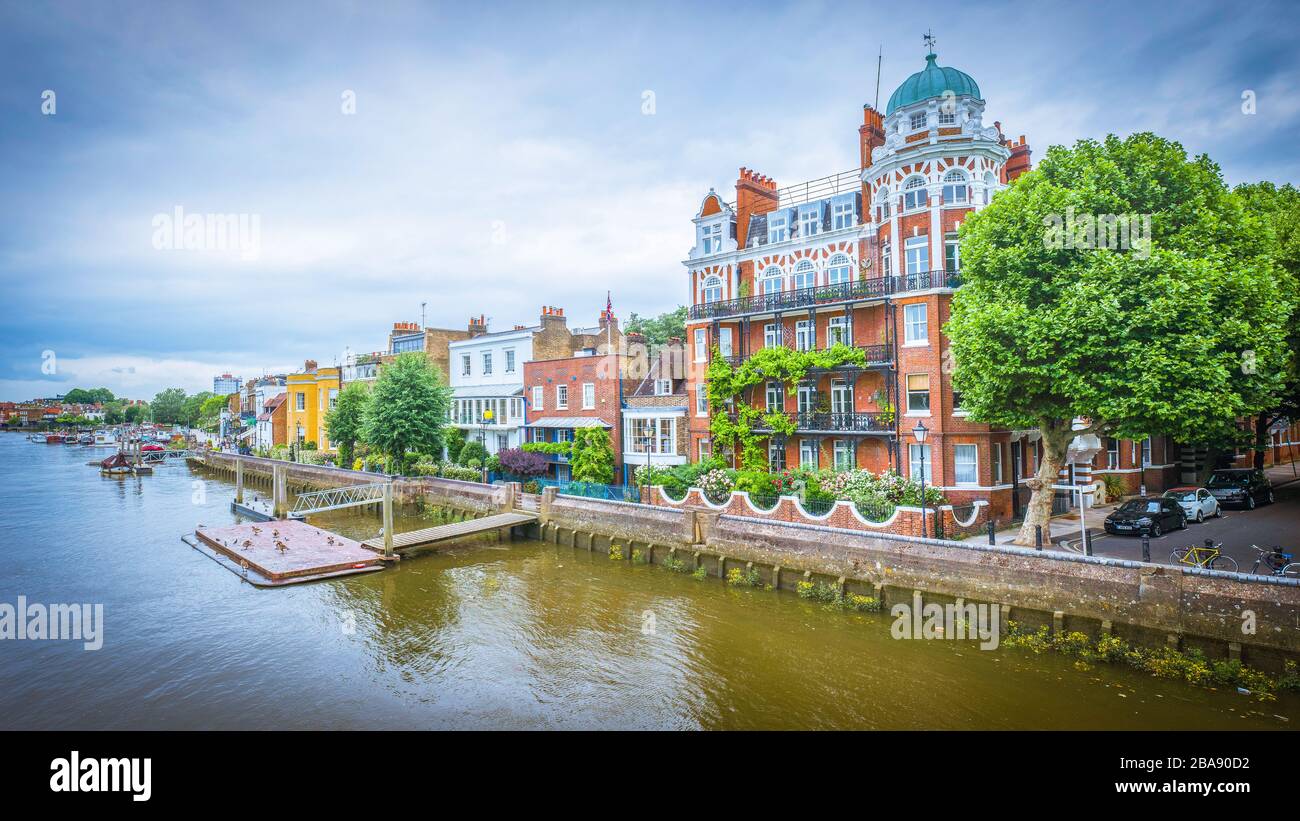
x,y
1272,525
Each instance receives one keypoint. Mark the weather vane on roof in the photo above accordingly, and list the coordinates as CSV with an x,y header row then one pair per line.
x,y
929,40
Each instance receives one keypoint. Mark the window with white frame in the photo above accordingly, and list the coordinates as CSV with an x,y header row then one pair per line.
x,y
778,230
706,449
886,260
914,194
1146,452
951,253
334,398
465,364
487,363
663,387
1112,453
920,463
775,397
839,270
956,191
917,120
917,252
775,456
702,399
701,345
713,288
807,397
916,324
841,396
965,463
837,331
995,450
805,275
947,114
711,238
844,455
724,341
588,395
803,335
808,453
844,215
771,281
510,360
808,221
561,397
667,439
883,203
538,393
771,335
990,183
300,402
918,393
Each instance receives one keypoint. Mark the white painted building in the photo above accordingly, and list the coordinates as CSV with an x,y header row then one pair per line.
x,y
487,381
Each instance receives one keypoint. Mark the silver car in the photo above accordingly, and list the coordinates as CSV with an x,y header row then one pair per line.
x,y
1197,502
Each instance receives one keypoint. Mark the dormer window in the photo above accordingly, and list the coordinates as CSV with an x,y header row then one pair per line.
x,y
808,220
663,387
947,117
918,121
914,194
843,215
711,239
777,229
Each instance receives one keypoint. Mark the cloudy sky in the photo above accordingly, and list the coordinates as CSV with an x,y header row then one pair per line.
x,y
500,157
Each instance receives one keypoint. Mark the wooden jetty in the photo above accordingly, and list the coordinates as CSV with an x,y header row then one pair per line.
x,y
273,554
456,530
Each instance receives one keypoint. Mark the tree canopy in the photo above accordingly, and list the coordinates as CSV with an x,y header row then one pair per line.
x,y
408,408
1120,283
168,406
659,329
91,396
346,422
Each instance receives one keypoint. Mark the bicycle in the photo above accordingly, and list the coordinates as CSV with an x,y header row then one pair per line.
x,y
1208,556
1279,563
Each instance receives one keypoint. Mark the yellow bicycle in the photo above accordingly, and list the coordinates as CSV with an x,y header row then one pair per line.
x,y
1209,556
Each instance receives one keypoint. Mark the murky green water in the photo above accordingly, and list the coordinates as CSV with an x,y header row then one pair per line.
x,y
523,635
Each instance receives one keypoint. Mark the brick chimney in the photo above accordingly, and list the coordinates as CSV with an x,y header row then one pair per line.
x,y
553,318
635,338
871,133
309,366
755,194
477,325
1018,162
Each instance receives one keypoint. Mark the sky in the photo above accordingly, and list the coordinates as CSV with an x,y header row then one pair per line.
x,y
492,158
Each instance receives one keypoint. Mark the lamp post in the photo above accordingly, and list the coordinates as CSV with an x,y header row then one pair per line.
x,y
648,439
921,432
484,421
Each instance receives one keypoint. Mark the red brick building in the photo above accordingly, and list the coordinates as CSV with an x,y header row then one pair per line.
x,y
870,257
565,394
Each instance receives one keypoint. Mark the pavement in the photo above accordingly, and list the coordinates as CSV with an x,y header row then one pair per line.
x,y
1236,530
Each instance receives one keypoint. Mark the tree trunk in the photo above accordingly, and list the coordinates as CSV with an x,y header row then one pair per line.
x,y
1262,423
1056,444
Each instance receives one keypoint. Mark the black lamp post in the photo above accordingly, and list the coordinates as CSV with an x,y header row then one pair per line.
x,y
484,421
921,432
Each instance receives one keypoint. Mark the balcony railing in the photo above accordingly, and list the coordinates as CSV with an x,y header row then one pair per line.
x,y
840,422
873,288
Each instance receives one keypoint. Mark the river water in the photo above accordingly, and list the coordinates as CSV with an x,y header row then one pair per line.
x,y
518,635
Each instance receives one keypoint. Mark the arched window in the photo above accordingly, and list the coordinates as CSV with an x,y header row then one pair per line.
x,y
914,194
771,281
882,202
838,270
713,289
955,190
805,275
990,185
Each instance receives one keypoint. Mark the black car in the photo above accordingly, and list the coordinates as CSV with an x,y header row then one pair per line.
x,y
1152,515
1241,486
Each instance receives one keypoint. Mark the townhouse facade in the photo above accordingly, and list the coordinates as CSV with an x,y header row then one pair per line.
x,y
869,258
567,394
311,394
656,422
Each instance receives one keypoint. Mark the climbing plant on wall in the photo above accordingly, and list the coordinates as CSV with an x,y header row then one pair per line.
x,y
733,419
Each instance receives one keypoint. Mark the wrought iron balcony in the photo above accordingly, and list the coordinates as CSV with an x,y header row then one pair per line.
x,y
862,289
877,356
840,422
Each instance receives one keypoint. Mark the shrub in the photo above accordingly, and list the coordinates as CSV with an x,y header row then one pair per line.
x,y
520,462
472,452
717,485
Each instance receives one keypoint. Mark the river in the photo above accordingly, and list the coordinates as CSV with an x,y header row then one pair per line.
x,y
484,635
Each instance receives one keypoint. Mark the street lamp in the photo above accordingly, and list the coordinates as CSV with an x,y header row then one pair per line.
x,y
921,432
484,421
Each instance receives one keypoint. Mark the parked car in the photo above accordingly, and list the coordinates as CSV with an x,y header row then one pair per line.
x,y
1247,487
1152,515
1197,502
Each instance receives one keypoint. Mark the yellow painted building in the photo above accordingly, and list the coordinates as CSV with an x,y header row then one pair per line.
x,y
309,396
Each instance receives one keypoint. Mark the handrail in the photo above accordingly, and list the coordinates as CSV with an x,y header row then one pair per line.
x,y
870,288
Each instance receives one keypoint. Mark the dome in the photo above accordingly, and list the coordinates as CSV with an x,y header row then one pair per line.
x,y
932,81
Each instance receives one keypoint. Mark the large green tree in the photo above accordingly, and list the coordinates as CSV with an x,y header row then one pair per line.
x,y
346,422
408,408
658,329
592,458
91,396
1180,333
1279,208
169,406
135,414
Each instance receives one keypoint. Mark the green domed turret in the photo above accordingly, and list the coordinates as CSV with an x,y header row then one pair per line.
x,y
932,81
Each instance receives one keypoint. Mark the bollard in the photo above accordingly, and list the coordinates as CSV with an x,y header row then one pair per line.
x,y
992,530
1209,544
1087,544
1146,548
1038,537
